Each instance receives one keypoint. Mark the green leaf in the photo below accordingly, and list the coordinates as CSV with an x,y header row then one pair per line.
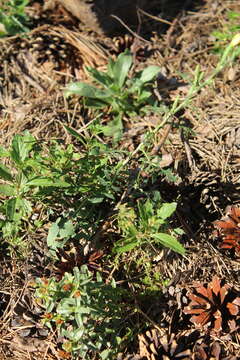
x,y
105,354
144,95
233,15
11,208
3,152
149,73
125,248
83,309
85,90
96,200
145,210
178,231
76,135
52,236
26,206
61,229
21,146
169,175
45,182
5,173
114,128
97,103
7,190
66,229
121,68
67,306
166,210
170,242
101,77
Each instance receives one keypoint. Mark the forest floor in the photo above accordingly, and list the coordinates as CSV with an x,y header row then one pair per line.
x,y
177,304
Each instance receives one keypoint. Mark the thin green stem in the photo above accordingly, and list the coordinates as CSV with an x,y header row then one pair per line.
x,y
193,92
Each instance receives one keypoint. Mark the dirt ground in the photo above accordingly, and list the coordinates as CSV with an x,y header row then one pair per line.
x,y
206,159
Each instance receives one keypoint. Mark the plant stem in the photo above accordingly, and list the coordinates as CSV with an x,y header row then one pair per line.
x,y
193,92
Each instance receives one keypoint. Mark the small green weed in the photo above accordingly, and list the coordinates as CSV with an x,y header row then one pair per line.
x,y
23,180
85,311
121,95
34,174
96,183
147,227
13,19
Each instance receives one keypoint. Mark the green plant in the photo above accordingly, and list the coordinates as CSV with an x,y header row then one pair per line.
x,y
25,179
147,227
121,95
85,311
33,174
151,279
13,18
230,53
96,184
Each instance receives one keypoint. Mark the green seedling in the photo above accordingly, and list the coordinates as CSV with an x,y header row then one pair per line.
x,y
86,312
147,227
122,96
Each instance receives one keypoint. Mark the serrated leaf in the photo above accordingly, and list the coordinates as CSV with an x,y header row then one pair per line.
x,y
25,206
21,146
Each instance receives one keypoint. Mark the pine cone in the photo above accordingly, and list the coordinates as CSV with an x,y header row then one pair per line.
x,y
156,346
214,306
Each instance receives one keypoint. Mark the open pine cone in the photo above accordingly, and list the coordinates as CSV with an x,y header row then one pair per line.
x,y
155,346
215,306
